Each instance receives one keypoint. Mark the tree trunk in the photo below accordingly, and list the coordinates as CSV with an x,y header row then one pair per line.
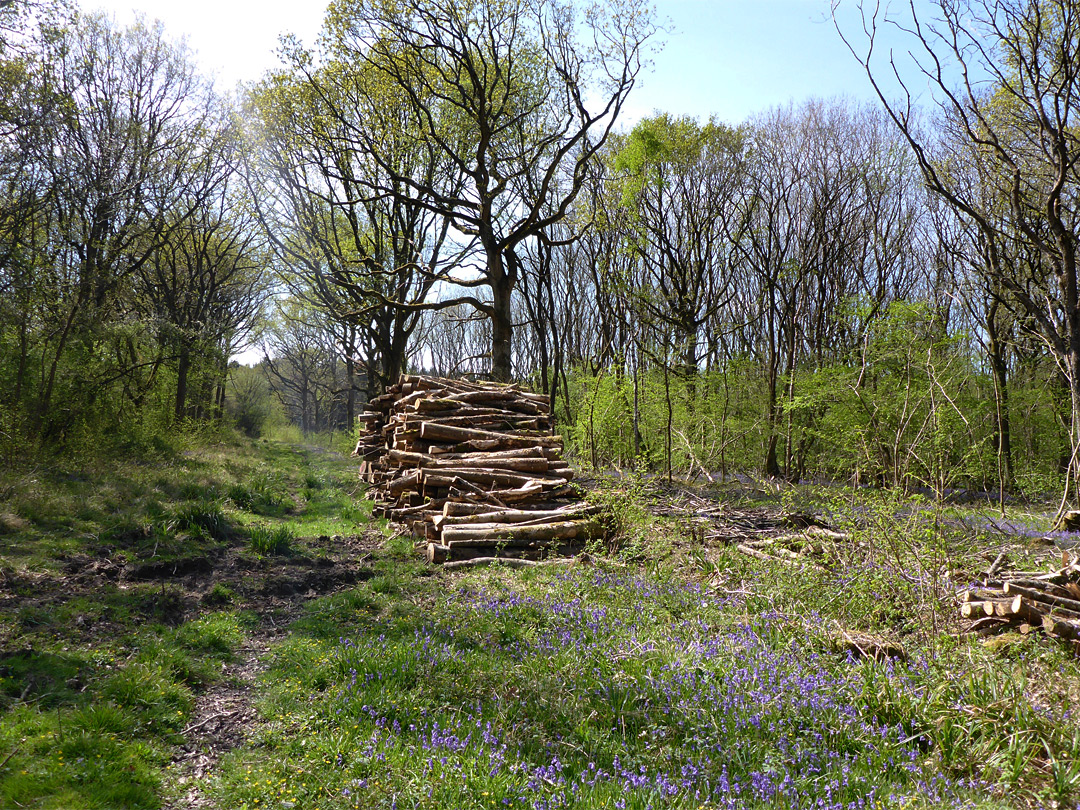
x,y
182,368
350,396
995,350
502,326
771,467
394,354
1073,471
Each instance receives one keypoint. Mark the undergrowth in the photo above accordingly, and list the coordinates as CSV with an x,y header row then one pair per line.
x,y
669,674
671,671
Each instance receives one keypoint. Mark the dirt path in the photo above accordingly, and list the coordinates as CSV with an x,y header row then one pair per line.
x,y
225,717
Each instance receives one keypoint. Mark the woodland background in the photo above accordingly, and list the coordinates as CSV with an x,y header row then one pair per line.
x,y
877,293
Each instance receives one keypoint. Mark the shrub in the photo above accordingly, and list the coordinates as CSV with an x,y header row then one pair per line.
x,y
270,541
200,518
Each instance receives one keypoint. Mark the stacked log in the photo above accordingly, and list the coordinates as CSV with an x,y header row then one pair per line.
x,y
472,470
1047,601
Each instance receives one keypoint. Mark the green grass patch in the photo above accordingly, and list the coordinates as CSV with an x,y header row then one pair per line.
x,y
592,688
266,540
98,678
673,675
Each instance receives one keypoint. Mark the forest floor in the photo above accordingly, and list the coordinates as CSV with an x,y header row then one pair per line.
x,y
227,628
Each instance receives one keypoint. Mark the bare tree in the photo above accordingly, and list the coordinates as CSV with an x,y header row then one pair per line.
x,y
372,260
303,366
822,263
1005,80
504,91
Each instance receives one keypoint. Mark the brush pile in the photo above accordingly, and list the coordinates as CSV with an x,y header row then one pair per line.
x,y
473,470
1026,601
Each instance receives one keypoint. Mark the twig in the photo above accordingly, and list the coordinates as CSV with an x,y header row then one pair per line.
x,y
211,718
996,564
797,561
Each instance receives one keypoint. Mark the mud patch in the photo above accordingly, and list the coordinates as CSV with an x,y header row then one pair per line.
x,y
170,569
275,588
223,718
313,582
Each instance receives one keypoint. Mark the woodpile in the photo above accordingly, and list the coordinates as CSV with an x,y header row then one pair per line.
x,y
472,470
1026,601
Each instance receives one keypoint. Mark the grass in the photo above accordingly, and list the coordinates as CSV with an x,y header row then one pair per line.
x,y
670,676
271,540
587,688
98,681
669,673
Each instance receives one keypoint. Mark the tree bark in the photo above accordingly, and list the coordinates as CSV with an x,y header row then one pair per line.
x,y
183,366
502,325
999,368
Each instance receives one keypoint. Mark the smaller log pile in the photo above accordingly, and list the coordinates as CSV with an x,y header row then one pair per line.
x,y
472,470
811,547
758,533
1026,601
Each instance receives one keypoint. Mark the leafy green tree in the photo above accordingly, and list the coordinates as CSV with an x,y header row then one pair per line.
x,y
502,91
120,158
202,289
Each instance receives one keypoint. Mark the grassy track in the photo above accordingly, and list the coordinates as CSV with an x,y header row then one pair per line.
x,y
670,673
128,590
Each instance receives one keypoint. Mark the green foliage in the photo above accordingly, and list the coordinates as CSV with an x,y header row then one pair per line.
x,y
911,411
271,540
625,508
219,595
263,493
249,401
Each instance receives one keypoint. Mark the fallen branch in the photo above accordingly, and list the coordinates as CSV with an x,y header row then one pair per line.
x,y
210,719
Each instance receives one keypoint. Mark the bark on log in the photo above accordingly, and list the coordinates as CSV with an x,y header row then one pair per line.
x,y
450,433
797,562
454,508
1060,628
1067,607
989,625
515,516
550,453
405,482
508,496
511,533
531,552
1019,607
488,477
511,465
508,442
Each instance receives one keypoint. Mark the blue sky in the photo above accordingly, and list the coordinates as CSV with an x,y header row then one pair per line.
x,y
731,58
